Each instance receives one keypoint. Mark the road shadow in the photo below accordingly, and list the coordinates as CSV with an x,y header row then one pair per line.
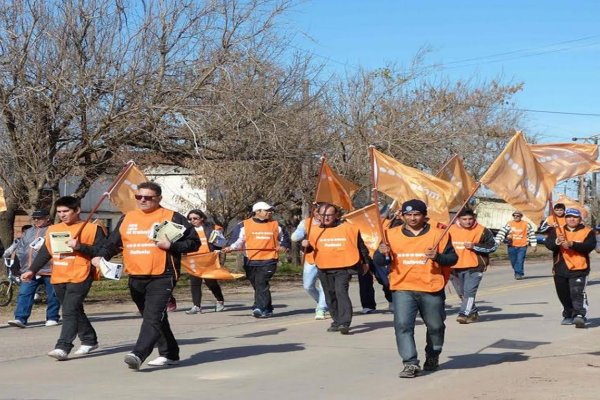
x,y
591,283
593,323
500,317
277,314
528,304
482,309
262,334
371,326
528,277
482,360
232,353
126,348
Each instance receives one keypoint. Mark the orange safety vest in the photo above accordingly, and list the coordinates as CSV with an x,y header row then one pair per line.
x,y
518,233
575,261
467,258
336,247
410,270
261,236
315,229
141,256
203,249
551,220
71,267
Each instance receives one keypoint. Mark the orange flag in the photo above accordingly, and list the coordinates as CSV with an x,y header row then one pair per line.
x,y
2,200
207,266
365,219
570,203
518,178
335,189
403,183
122,194
454,172
566,160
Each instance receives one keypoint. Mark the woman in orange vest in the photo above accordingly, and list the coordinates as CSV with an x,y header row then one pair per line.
x,y
205,230
571,247
71,276
519,234
338,251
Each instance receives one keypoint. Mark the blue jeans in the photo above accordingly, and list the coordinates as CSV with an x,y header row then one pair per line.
x,y
517,259
432,309
466,282
309,280
26,295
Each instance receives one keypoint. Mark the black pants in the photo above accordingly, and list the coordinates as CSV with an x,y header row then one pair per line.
x,y
260,278
151,296
571,293
335,284
74,321
196,288
367,292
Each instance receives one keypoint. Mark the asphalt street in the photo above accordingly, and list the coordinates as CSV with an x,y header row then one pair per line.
x,y
518,350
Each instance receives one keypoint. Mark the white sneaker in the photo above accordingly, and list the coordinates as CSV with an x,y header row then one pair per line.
x,y
319,314
220,306
367,311
59,354
162,361
51,322
18,323
194,310
85,349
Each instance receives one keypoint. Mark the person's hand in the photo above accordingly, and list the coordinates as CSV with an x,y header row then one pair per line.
x,y
73,243
226,250
163,244
468,245
96,261
26,276
384,249
430,253
566,244
304,243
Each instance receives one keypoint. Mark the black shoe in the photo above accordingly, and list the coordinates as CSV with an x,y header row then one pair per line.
x,y
410,371
431,363
344,330
579,321
333,328
133,361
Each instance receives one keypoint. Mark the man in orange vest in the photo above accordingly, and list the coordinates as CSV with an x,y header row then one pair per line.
x,y
519,234
418,275
153,268
263,238
71,276
473,243
338,251
571,247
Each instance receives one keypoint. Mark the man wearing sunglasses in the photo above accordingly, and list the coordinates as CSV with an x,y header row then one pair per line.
x,y
519,234
263,239
153,269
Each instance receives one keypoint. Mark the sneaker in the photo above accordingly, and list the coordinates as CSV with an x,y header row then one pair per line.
x,y
58,354
172,305
410,371
18,323
391,306
194,310
220,306
162,361
579,321
473,317
519,277
367,310
567,321
333,328
257,313
344,330
85,349
431,363
51,322
133,361
319,315
266,314
462,319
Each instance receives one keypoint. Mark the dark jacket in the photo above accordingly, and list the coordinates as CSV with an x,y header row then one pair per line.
x,y
559,267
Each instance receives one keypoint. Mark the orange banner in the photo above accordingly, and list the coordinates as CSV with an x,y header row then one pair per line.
x,y
403,183
122,195
454,172
566,160
207,266
365,219
335,189
518,178
2,200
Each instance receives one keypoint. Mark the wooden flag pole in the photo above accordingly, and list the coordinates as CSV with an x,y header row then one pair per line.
x,y
117,180
375,193
445,165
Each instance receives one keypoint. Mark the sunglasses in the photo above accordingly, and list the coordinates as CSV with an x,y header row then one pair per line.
x,y
147,198
194,218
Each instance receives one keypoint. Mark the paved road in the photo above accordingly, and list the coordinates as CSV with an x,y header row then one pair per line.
x,y
518,350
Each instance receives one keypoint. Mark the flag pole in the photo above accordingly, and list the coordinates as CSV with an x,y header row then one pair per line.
x,y
117,180
310,217
375,193
445,165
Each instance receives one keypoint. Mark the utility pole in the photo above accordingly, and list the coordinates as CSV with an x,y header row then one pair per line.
x,y
594,201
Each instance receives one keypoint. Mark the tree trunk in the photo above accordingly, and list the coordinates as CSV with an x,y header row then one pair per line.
x,y
7,220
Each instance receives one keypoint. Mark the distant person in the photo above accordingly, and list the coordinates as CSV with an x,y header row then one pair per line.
x,y
473,244
555,220
519,234
26,249
571,266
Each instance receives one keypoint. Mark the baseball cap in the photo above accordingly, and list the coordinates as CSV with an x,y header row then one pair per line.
x,y
573,212
40,213
414,205
261,205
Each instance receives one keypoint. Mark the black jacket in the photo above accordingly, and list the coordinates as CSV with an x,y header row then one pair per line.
x,y
559,267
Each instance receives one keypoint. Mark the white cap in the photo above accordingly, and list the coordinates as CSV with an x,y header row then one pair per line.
x,y
261,205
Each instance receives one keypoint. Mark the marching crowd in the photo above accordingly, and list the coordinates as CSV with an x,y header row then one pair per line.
x,y
413,263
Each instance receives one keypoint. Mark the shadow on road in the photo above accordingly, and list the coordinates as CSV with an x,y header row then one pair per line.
x,y
371,326
231,353
263,333
499,317
482,360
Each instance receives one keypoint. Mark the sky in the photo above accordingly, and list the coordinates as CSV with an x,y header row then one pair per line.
x,y
553,47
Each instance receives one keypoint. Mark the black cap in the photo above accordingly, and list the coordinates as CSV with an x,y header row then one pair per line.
x,y
41,213
414,205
